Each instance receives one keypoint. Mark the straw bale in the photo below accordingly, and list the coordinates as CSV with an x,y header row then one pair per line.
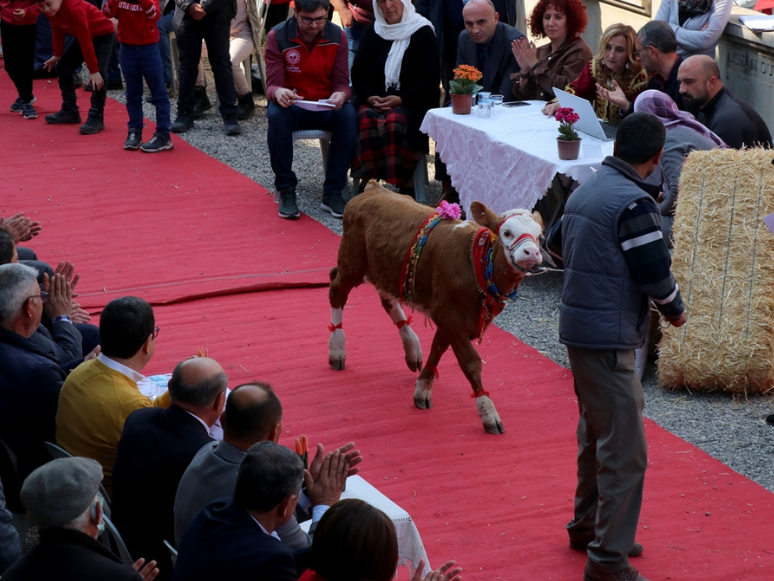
x,y
724,263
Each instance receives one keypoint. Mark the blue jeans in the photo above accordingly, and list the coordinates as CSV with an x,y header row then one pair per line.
x,y
284,121
138,61
165,51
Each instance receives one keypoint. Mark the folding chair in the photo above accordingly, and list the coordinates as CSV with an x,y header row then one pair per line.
x,y
111,538
59,452
172,552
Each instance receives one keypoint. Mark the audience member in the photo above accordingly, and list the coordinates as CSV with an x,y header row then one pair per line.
x,y
209,21
100,394
140,59
10,549
683,135
30,376
558,62
17,31
22,229
253,414
306,58
611,232
395,77
613,78
241,46
93,39
355,17
62,500
236,539
155,449
656,48
356,541
698,24
715,107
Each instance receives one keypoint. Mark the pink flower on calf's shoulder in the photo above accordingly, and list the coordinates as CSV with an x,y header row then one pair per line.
x,y
449,211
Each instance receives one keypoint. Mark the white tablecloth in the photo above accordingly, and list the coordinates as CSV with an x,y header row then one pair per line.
x,y
508,160
410,547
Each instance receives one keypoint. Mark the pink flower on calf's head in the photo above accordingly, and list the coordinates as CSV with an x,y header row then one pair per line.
x,y
449,211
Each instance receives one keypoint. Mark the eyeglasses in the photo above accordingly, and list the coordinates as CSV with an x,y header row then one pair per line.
x,y
636,53
42,296
310,21
156,332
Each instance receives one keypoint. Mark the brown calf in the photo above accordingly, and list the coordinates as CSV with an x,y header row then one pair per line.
x,y
381,229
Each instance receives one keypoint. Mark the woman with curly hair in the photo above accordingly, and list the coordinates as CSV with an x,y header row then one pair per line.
x,y
561,60
613,78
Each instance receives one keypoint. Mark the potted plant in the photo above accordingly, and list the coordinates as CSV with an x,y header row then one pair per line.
x,y
568,141
463,87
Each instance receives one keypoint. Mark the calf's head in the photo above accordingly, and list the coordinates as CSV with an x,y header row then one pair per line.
x,y
517,230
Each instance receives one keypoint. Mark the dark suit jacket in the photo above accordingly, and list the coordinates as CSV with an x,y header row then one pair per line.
x,y
225,542
734,121
65,555
502,62
433,11
30,381
156,447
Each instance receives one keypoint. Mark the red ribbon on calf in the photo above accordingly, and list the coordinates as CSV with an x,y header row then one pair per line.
x,y
333,327
401,324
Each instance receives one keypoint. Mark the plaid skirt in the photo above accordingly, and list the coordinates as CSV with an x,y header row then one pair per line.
x,y
382,150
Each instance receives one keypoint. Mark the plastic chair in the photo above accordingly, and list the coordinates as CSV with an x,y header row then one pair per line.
x,y
57,452
325,143
111,538
172,552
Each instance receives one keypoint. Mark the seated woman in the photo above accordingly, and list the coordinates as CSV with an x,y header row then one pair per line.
x,y
355,541
560,61
395,77
698,24
613,78
683,135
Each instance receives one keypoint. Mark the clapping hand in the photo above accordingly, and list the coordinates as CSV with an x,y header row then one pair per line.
x,y
20,227
447,572
60,290
148,572
326,488
352,456
525,53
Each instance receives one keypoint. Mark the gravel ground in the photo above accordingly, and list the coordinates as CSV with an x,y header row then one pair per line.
x,y
733,430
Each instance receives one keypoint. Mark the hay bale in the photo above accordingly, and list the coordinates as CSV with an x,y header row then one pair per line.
x,y
724,264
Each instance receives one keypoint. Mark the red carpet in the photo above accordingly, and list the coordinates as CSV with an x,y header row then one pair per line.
x,y
183,225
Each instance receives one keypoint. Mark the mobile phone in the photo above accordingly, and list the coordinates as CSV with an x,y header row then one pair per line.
x,y
515,104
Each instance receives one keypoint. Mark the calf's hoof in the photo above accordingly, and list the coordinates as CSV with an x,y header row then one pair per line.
x,y
489,416
422,394
414,365
336,363
497,428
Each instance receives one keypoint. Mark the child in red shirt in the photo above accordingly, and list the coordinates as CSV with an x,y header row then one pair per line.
x,y
17,28
94,37
140,58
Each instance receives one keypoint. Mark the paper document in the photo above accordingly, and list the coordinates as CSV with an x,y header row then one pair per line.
x,y
321,105
758,22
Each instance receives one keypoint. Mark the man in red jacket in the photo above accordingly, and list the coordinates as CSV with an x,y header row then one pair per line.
x,y
139,37
93,38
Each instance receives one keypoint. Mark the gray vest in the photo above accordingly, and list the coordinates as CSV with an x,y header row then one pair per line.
x,y
602,307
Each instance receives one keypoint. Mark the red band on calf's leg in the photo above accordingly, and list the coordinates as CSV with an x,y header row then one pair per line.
x,y
434,371
401,324
479,393
333,327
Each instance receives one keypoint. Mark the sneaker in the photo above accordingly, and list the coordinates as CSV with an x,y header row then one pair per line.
x,y
92,126
63,116
159,142
133,140
334,204
288,208
28,111
201,103
182,124
232,126
17,105
628,574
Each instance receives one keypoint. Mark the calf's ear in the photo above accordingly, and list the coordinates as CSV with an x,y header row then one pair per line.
x,y
483,216
539,219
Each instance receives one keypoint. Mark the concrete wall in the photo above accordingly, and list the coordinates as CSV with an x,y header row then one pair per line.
x,y
746,59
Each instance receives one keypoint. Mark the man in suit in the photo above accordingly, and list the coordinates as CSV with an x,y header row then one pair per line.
x,y
236,539
155,449
62,500
485,44
715,107
30,374
253,414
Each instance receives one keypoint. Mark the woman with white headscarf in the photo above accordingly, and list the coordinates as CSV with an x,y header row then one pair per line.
x,y
396,78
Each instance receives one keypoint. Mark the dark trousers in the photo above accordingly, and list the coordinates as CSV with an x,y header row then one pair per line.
x,y
114,68
283,122
71,60
138,61
216,33
19,55
276,14
43,47
165,50
612,455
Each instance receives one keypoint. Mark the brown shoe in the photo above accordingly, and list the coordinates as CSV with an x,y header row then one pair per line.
x,y
628,574
635,551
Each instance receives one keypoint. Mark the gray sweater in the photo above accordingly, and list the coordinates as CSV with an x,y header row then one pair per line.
x,y
680,141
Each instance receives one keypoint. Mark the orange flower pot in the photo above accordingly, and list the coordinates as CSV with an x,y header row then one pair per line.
x,y
461,104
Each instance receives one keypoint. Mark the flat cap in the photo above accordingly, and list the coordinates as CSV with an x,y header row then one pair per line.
x,y
60,491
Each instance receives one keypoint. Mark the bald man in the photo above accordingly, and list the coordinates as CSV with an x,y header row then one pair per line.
x,y
156,447
253,414
715,107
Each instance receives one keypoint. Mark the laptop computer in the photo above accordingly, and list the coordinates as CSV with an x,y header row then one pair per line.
x,y
588,122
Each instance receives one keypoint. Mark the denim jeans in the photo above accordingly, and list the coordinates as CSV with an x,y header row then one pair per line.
x,y
284,121
138,61
71,60
165,51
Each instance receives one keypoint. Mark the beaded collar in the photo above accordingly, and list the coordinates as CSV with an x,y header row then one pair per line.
x,y
409,270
